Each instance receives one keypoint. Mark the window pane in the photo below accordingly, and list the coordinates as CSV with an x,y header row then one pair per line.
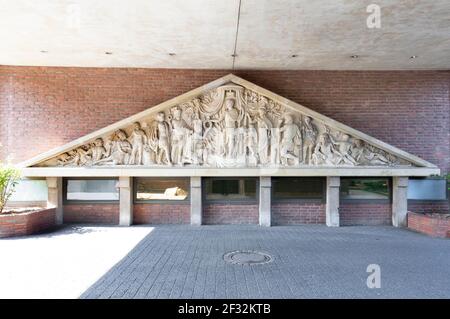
x,y
298,188
225,187
92,189
30,190
162,188
230,189
427,189
364,188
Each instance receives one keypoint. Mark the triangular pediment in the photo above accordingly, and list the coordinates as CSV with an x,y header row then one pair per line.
x,y
228,123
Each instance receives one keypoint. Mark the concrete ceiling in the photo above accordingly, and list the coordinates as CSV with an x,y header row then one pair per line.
x,y
262,34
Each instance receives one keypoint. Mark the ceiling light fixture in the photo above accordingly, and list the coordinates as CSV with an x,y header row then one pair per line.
x,y
108,53
172,54
413,57
354,56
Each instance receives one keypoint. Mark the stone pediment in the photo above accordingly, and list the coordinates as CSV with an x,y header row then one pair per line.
x,y
228,123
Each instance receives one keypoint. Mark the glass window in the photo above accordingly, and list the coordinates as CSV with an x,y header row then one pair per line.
x,y
427,189
230,188
298,188
150,189
364,188
30,190
92,190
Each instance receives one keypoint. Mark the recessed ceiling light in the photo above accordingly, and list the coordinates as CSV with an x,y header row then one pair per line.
x,y
413,57
172,54
294,55
108,52
354,56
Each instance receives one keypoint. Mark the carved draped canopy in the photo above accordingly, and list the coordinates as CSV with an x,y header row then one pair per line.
x,y
230,123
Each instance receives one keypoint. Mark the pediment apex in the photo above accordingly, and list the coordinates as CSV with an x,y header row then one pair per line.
x,y
229,122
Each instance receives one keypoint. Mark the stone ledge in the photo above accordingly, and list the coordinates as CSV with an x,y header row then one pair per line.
x,y
434,225
22,224
187,171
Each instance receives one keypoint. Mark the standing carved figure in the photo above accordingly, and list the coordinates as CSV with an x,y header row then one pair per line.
x,y
264,127
290,141
275,143
198,145
162,130
251,144
309,140
179,137
138,140
230,119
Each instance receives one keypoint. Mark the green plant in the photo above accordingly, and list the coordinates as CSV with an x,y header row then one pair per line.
x,y
9,177
448,181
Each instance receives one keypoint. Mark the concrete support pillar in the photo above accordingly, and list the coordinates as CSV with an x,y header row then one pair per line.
x,y
332,209
265,200
55,197
196,201
125,201
399,201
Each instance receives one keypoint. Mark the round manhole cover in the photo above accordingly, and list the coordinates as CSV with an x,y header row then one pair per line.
x,y
247,257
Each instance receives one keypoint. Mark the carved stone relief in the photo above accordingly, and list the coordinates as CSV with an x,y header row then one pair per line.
x,y
229,126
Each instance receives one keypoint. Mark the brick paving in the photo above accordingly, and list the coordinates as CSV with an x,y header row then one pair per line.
x,y
311,261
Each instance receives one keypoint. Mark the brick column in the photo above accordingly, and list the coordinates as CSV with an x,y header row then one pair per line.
x,y
196,201
332,209
399,201
125,201
55,197
265,200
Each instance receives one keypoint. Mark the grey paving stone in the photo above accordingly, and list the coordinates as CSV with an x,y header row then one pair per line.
x,y
310,261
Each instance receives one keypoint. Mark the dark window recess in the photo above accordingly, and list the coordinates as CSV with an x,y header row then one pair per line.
x,y
161,189
91,190
365,188
230,189
298,188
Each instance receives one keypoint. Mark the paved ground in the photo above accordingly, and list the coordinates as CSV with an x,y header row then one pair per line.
x,y
63,264
309,262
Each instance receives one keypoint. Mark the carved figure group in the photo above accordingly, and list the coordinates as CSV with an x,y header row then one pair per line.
x,y
227,127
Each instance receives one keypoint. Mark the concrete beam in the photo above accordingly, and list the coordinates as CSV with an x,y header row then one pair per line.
x,y
265,201
399,201
357,171
332,204
55,197
125,201
196,201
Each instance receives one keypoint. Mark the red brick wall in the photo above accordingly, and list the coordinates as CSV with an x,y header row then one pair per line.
x,y
91,213
305,212
436,225
220,214
45,107
369,213
419,206
52,106
27,223
162,213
